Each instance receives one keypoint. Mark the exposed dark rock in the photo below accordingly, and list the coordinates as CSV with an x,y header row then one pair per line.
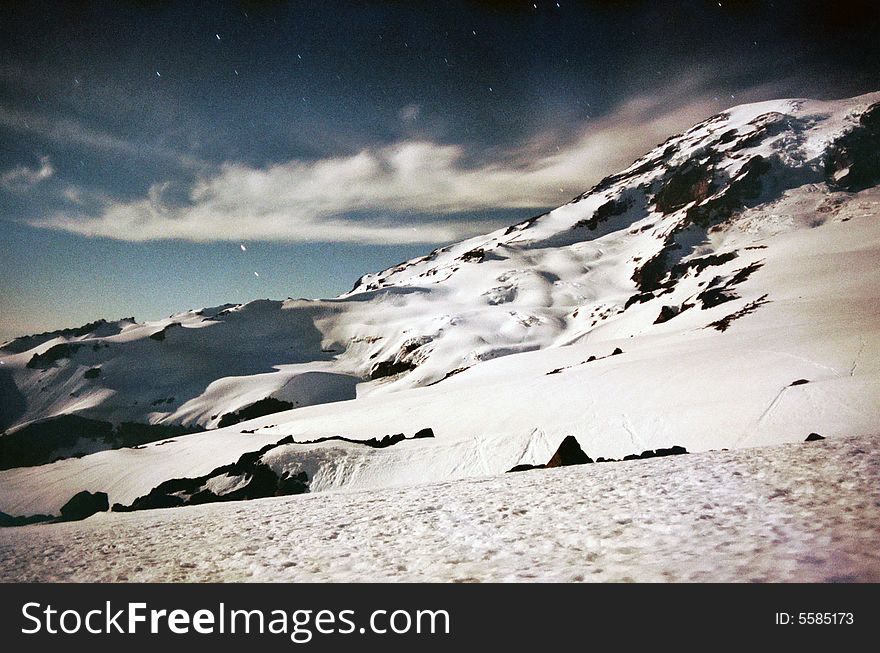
x,y
640,166
403,361
258,479
674,450
576,455
656,453
293,484
376,443
654,270
25,343
152,501
639,298
266,406
764,126
457,370
159,336
84,504
701,263
724,323
853,162
525,224
727,136
473,256
9,520
132,434
744,273
689,182
524,468
259,482
358,283
92,373
13,403
390,368
742,189
617,351
38,443
656,273
715,296
813,437
799,382
53,354
607,210
569,453
721,291
667,313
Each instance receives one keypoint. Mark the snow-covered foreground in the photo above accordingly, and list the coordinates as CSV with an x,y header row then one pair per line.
x,y
795,512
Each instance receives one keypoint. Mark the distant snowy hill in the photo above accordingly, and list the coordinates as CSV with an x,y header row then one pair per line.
x,y
734,270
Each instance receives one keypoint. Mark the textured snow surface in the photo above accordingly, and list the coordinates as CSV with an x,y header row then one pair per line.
x,y
795,512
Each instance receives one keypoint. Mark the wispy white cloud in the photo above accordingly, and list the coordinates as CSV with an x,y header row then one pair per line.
x,y
66,131
391,194
22,178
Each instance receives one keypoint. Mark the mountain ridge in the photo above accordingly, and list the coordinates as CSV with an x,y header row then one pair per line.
x,y
688,249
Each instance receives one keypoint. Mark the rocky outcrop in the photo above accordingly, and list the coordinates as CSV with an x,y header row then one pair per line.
x,y
690,182
390,368
609,209
724,323
45,441
83,505
266,406
569,453
407,359
853,162
656,453
160,336
39,442
743,189
247,478
53,354
98,327
8,520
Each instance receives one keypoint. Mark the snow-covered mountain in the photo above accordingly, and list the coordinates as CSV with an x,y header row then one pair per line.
x,y
723,291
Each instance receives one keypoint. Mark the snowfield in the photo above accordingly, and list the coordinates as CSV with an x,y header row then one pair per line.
x,y
797,512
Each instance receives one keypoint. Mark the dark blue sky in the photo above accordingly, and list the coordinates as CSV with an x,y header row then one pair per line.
x,y
142,143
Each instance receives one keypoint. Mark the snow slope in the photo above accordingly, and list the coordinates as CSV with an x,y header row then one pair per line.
x,y
804,512
727,264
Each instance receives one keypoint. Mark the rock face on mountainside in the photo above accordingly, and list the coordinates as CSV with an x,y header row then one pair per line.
x,y
84,504
675,301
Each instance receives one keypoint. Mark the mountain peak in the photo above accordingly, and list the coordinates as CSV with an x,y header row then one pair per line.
x,y
729,242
